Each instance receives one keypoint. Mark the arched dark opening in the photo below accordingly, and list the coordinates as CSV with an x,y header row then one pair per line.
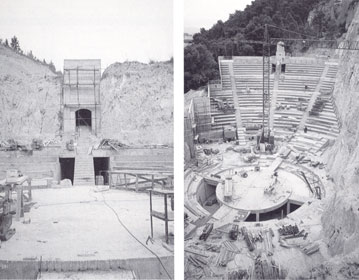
x,y
83,118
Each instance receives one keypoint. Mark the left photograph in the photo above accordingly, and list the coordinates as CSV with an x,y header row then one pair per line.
x,y
86,139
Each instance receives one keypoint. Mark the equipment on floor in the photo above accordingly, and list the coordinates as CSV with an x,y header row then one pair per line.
x,y
206,231
229,133
224,106
233,233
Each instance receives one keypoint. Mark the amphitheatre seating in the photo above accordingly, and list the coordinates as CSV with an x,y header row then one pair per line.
x,y
304,70
290,109
297,76
297,84
251,109
327,84
308,142
253,83
322,119
332,71
155,160
246,69
220,118
322,125
225,75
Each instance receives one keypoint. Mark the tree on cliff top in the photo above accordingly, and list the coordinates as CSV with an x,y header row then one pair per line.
x,y
15,45
199,66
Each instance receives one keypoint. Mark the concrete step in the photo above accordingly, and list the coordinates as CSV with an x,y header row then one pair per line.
x,y
84,170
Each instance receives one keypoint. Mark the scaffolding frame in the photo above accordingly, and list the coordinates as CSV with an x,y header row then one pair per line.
x,y
67,86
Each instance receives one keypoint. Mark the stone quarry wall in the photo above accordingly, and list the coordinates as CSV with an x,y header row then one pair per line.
x,y
136,99
29,97
341,215
137,103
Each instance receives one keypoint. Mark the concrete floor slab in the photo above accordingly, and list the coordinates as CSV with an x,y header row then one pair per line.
x,y
74,224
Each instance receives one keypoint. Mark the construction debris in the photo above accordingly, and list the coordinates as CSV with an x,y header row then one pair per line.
x,y
225,256
206,231
266,269
288,230
247,238
239,274
231,246
114,144
311,249
233,233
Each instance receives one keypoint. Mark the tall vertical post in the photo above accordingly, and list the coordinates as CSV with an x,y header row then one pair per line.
x,y
94,94
77,86
266,74
151,213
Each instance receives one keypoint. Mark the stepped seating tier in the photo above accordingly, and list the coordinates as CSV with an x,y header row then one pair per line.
x,y
304,70
253,83
220,118
295,93
292,84
251,108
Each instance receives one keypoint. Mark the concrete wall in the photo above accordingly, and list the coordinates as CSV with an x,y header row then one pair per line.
x,y
40,164
204,191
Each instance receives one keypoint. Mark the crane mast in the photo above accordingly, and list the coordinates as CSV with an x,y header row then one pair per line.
x,y
266,77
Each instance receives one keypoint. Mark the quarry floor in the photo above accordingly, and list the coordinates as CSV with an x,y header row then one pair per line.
x,y
74,224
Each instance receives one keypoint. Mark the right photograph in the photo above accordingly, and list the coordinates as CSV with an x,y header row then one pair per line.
x,y
271,154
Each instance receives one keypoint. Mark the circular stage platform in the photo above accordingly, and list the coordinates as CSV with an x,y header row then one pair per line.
x,y
259,191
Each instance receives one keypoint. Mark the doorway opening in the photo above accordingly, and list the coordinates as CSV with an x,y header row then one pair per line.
x,y
101,166
83,118
67,168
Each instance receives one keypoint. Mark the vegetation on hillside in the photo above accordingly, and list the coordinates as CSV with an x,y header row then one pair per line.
x,y
15,45
200,58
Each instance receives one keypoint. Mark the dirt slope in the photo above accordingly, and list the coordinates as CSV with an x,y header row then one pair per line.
x,y
137,102
29,97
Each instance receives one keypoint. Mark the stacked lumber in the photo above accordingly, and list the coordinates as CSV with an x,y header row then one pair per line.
x,y
248,238
288,230
311,249
266,269
224,256
239,274
230,246
197,261
268,235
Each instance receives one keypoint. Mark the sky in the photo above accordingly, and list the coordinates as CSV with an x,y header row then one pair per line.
x,y
110,30
205,13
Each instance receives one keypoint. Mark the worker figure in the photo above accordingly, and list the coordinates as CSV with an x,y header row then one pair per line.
x,y
305,129
306,87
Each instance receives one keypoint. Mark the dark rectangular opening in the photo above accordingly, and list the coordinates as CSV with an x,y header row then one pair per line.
x,y
67,166
274,67
102,165
283,68
251,218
